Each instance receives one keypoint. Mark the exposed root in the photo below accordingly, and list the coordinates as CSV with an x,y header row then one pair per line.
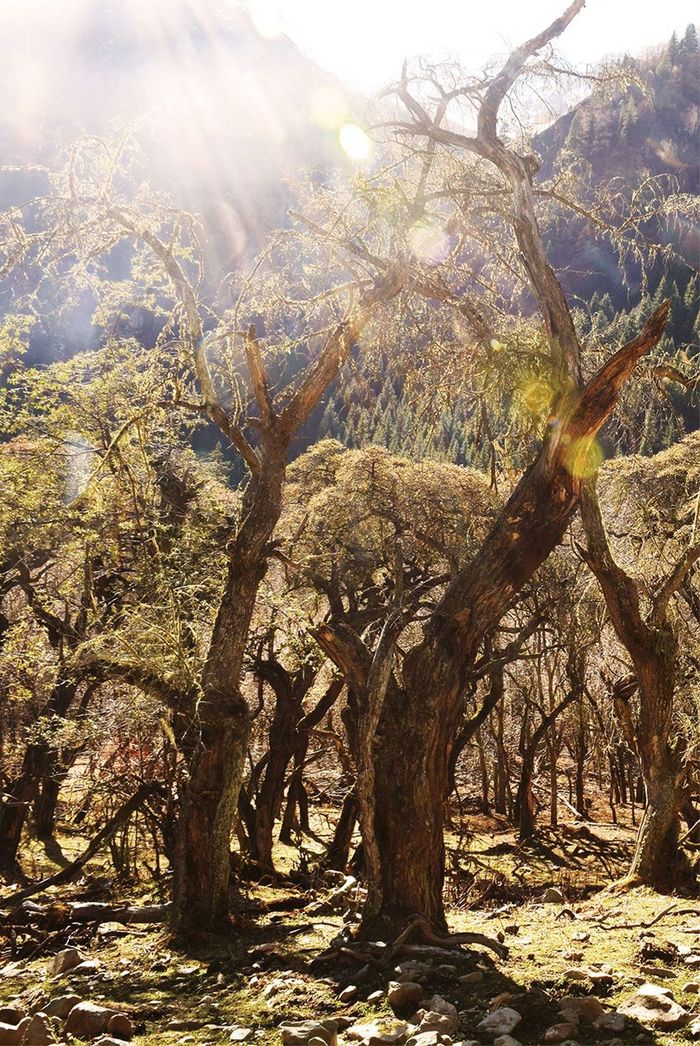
x,y
672,909
375,956
623,886
447,940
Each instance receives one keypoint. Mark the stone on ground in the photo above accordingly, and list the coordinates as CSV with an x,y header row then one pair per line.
x,y
654,1006
65,960
500,1021
301,1033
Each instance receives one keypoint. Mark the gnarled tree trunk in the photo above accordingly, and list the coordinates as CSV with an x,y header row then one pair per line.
x,y
651,643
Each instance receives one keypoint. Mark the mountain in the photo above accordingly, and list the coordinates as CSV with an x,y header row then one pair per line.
x,y
649,129
225,116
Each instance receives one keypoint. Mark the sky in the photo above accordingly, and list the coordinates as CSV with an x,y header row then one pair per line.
x,y
364,42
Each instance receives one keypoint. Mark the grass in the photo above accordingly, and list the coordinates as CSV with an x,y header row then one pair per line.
x,y
262,975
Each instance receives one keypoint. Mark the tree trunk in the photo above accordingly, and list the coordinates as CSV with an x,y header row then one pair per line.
x,y
23,789
46,803
338,852
655,858
220,723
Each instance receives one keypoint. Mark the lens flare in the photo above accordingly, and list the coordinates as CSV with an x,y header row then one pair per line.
x,y
265,19
328,107
354,142
428,242
583,457
537,396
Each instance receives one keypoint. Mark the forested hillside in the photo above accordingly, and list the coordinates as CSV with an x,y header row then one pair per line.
x,y
349,543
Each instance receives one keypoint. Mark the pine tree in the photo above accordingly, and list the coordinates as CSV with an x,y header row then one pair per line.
x,y
689,44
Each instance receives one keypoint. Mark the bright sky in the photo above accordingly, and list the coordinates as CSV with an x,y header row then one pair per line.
x,y
365,41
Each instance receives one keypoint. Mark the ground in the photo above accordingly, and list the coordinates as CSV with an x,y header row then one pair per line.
x,y
264,974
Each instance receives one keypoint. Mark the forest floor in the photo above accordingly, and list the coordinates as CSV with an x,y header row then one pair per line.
x,y
581,941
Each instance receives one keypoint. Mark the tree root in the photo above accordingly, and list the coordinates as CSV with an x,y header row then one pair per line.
x,y
376,956
672,909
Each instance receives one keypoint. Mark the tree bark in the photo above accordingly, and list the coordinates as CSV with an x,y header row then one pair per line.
x,y
23,789
220,723
652,645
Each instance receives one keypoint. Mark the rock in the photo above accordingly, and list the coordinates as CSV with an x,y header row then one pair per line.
x,y
694,1029
560,1032
692,987
505,1040
316,1041
601,978
439,1005
376,996
614,1022
12,1014
85,969
87,1020
577,1008
65,960
61,1006
348,994
403,995
443,1023
573,956
655,1006
12,1033
412,971
108,1040
658,971
692,961
300,1034
500,1021
552,896
119,1027
576,975
38,1032
475,977
424,1038
379,1033
243,1034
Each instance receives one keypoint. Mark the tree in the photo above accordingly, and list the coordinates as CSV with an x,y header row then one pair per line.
x,y
650,638
420,698
86,218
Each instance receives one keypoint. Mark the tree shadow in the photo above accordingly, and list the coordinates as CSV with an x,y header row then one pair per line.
x,y
52,849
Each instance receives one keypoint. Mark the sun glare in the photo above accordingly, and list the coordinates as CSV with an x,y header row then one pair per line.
x,y
354,142
265,18
428,242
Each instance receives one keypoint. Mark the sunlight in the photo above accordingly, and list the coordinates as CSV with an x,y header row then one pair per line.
x,y
354,142
265,18
428,242
328,107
